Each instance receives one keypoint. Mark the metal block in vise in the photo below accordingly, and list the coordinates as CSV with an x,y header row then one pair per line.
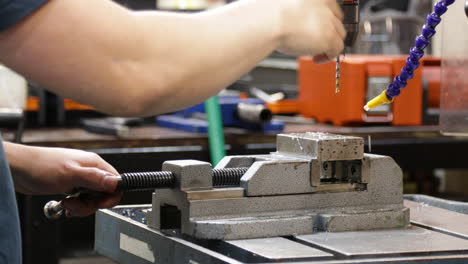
x,y
332,157
314,182
321,146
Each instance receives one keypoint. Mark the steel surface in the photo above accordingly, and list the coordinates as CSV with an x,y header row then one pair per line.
x,y
438,219
414,240
278,248
169,248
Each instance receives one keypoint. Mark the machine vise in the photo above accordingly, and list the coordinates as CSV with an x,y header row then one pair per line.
x,y
313,182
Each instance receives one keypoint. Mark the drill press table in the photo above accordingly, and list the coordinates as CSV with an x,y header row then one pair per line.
x,y
317,199
436,235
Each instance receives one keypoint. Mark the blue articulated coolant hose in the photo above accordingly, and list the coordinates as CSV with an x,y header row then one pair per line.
x,y
413,61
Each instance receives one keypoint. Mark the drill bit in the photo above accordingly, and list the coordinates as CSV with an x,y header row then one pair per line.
x,y
337,75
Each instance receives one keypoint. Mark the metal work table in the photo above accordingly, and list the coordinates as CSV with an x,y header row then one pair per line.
x,y
437,235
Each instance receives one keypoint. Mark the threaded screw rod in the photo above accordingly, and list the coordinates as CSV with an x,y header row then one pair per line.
x,y
146,180
228,176
166,179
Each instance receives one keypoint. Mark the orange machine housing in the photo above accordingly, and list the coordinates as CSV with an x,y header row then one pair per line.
x,y
317,98
32,104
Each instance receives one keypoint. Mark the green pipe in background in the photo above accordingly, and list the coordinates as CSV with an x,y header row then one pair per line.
x,y
215,130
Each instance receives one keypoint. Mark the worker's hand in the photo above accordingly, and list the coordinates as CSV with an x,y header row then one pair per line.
x,y
312,27
38,170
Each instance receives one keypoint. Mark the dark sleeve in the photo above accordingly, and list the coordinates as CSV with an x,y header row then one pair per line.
x,y
12,11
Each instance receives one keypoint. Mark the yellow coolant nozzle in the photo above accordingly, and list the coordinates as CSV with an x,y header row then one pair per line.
x,y
379,100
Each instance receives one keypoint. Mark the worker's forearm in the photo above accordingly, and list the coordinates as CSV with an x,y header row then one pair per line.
x,y
130,63
208,50
18,157
14,155
134,63
39,170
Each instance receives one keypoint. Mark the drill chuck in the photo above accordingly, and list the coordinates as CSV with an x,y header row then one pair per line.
x,y
350,20
466,8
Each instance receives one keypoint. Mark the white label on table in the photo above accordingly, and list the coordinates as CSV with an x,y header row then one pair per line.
x,y
136,247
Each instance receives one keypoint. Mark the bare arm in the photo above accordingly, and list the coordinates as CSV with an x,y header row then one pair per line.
x,y
143,63
38,170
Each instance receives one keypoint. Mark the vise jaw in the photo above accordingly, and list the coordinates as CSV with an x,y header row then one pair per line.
x,y
313,182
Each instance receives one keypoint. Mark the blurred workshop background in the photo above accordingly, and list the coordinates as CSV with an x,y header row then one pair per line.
x,y
424,131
